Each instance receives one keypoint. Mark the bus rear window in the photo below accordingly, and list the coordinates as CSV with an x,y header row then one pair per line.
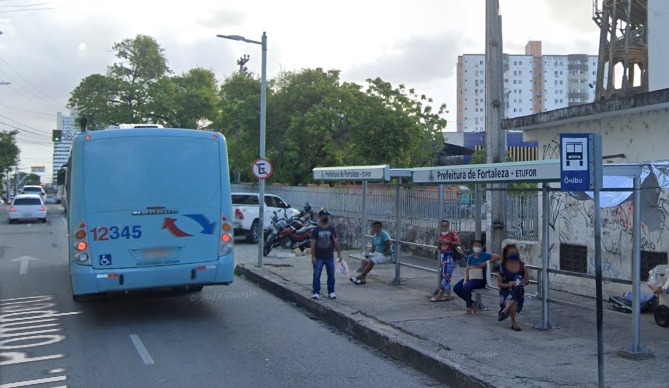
x,y
136,172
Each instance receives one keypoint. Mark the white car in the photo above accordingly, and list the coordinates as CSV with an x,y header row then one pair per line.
x,y
33,189
245,207
27,207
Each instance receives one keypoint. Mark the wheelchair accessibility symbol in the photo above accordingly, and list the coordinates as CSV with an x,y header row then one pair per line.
x,y
105,259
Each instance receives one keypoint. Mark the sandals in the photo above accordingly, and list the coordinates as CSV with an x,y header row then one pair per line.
x,y
517,328
357,281
502,316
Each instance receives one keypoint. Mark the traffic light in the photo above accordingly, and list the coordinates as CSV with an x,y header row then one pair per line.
x,y
57,135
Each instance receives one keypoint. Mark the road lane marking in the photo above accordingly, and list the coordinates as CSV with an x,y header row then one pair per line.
x,y
141,349
34,382
25,261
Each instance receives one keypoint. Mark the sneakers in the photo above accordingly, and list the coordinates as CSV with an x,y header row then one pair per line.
x,y
317,296
332,295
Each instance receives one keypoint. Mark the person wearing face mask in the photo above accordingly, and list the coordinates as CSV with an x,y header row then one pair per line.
x,y
447,243
512,278
475,275
323,245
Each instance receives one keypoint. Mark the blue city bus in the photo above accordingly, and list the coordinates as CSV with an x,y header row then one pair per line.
x,y
148,208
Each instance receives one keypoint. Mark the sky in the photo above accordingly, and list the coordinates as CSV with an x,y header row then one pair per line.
x,y
48,46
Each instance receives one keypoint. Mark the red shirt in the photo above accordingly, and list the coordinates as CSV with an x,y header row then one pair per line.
x,y
445,240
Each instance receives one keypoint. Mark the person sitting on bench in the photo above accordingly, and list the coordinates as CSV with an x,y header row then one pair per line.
x,y
381,252
475,275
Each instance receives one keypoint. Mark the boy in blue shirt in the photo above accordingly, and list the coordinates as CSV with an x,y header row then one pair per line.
x,y
475,275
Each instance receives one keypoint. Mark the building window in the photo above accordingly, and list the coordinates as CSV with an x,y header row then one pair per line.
x,y
561,101
574,258
650,260
481,62
560,82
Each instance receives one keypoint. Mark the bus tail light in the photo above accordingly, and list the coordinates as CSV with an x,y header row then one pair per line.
x,y
227,239
81,245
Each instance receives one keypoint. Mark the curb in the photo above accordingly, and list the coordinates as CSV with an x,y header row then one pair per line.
x,y
394,347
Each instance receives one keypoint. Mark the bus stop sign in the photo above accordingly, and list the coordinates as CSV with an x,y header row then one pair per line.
x,y
577,157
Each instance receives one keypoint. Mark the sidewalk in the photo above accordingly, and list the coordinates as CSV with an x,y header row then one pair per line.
x,y
470,351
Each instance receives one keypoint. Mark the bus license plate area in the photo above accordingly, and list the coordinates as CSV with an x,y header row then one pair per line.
x,y
156,253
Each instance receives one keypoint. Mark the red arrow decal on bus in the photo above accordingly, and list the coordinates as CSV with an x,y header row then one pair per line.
x,y
170,224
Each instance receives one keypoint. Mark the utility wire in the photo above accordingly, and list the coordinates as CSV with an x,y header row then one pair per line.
x,y
28,82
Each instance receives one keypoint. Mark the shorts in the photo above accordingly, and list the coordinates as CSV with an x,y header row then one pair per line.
x,y
378,258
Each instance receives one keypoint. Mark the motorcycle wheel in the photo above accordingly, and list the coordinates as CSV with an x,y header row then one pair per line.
x,y
267,248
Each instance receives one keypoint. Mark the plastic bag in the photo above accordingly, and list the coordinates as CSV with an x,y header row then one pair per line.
x,y
341,268
654,278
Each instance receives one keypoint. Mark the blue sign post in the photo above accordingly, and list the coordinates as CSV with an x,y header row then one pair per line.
x,y
576,162
581,170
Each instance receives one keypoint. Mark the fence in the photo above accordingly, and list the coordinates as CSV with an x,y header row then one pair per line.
x,y
418,205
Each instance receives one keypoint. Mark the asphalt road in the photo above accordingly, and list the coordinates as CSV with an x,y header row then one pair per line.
x,y
234,336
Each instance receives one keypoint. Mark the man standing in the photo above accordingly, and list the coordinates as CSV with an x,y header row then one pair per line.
x,y
380,253
323,244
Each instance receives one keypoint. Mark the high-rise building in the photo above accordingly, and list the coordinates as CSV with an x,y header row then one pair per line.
x,y
532,83
61,149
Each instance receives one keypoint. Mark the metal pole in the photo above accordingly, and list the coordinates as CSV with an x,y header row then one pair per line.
x,y
597,169
441,217
365,228
477,211
636,350
545,323
398,231
263,116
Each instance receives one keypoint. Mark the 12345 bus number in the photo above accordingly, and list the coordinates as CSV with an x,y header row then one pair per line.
x,y
104,233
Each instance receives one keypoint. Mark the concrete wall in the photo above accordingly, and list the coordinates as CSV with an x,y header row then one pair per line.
x,y
640,136
658,46
351,236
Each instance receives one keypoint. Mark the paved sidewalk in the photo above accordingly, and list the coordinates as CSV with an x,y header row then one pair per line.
x,y
470,351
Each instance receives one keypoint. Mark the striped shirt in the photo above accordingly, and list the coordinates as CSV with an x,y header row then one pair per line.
x,y
379,241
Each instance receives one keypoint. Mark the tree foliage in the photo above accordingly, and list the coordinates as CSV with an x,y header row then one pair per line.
x,y
9,152
314,119
140,88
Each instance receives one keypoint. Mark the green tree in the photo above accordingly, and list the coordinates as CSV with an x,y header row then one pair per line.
x,y
9,153
239,121
185,101
139,88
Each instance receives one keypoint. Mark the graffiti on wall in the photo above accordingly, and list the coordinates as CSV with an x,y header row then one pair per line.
x,y
572,221
551,150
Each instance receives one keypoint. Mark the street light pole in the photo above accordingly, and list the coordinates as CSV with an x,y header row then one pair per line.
x,y
263,121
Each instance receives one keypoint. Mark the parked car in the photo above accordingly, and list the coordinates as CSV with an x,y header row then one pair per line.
x,y
245,208
50,199
27,207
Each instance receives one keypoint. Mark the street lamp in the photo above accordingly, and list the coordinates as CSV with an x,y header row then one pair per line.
x,y
263,117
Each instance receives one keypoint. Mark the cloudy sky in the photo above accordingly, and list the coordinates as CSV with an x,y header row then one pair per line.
x,y
48,46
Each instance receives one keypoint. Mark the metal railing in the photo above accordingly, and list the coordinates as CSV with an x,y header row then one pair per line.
x,y
419,206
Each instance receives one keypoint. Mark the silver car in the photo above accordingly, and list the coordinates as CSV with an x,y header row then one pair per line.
x,y
27,207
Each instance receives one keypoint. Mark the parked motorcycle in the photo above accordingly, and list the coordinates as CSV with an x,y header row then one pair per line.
x,y
289,233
